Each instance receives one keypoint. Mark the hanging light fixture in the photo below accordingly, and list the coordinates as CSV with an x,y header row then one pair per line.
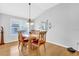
x,y
30,22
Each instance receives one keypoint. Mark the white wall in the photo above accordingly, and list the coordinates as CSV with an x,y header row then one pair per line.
x,y
65,24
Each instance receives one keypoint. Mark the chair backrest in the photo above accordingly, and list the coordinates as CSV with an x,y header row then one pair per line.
x,y
42,35
20,36
35,33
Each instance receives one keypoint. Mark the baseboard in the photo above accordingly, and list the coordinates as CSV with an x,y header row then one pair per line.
x,y
58,44
11,41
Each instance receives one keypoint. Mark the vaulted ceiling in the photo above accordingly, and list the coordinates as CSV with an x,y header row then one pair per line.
x,y
21,9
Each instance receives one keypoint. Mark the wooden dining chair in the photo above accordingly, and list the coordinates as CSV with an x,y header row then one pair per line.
x,y
39,40
23,41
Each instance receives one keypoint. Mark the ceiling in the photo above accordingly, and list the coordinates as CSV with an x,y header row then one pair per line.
x,y
21,9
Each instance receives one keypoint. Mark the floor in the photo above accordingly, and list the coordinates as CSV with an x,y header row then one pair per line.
x,y
11,49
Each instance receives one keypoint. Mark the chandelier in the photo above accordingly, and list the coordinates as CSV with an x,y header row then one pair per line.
x,y
30,21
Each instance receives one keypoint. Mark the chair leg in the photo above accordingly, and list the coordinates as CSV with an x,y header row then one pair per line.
x,y
22,45
19,45
45,49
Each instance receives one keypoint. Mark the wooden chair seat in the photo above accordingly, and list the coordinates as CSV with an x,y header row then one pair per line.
x,y
42,41
26,40
37,42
